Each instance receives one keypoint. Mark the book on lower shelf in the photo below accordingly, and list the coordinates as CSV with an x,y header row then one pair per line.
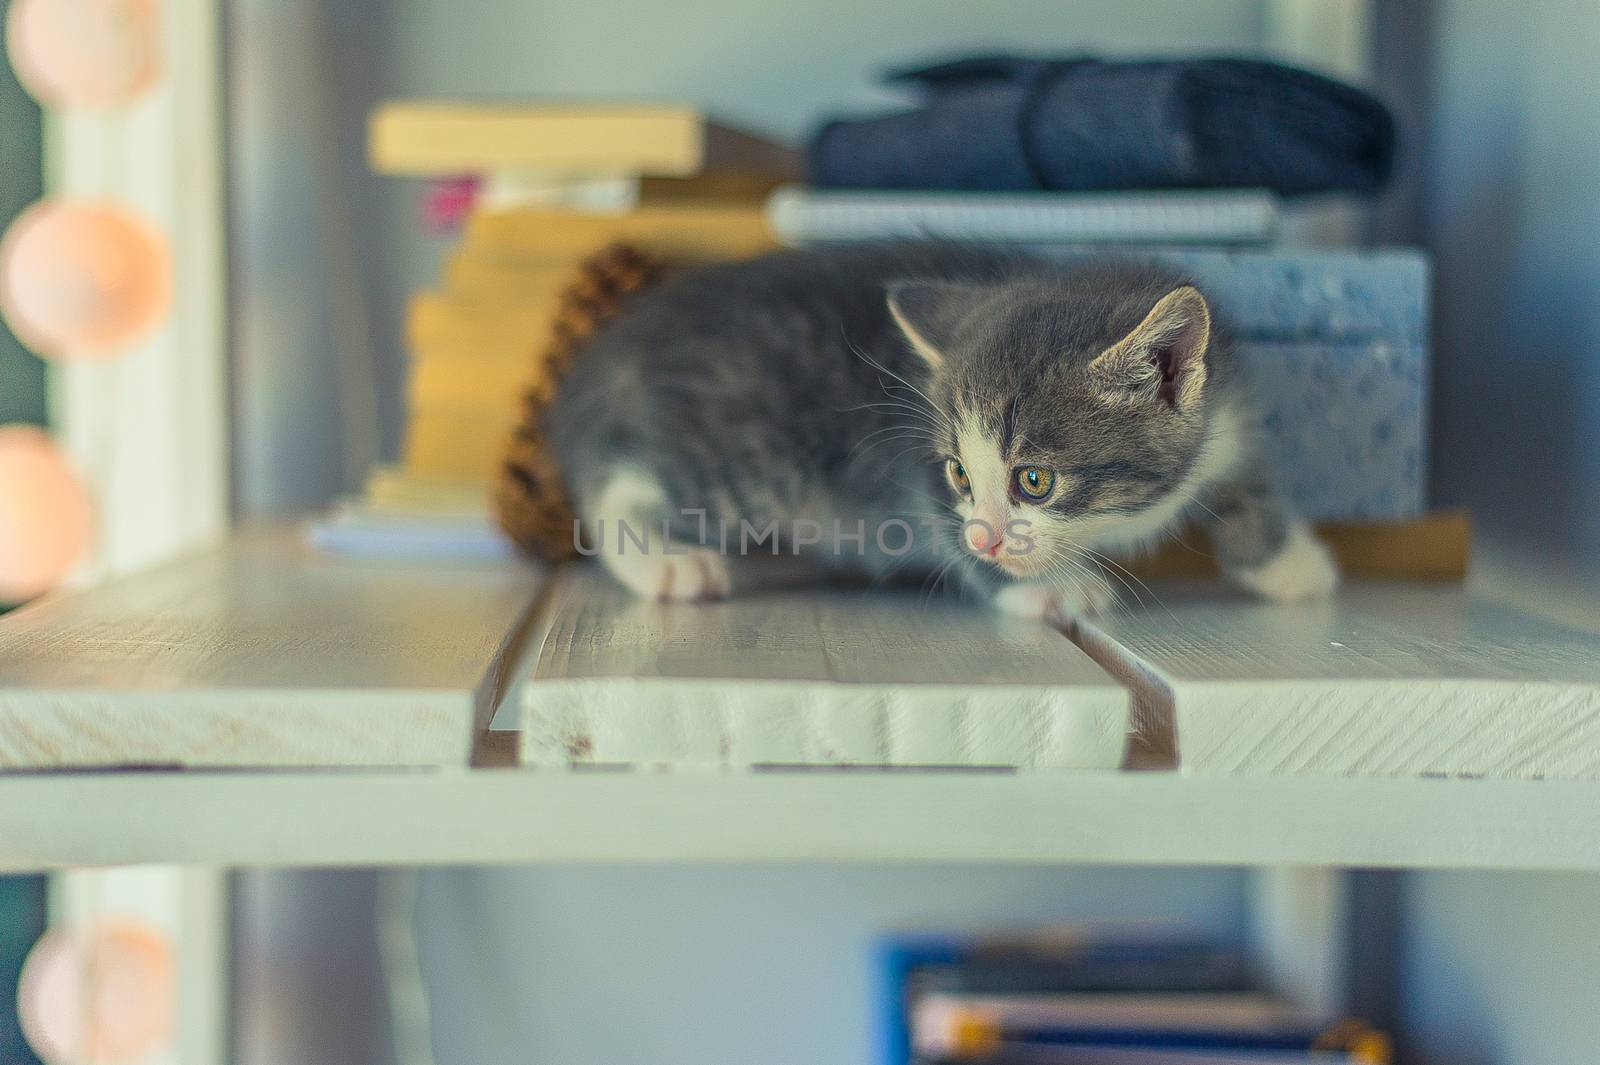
x,y
1096,999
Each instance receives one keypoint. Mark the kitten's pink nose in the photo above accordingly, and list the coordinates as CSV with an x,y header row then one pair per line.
x,y
985,541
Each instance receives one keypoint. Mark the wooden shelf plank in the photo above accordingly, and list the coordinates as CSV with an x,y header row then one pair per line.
x,y
366,817
809,678
261,654
1384,680
265,655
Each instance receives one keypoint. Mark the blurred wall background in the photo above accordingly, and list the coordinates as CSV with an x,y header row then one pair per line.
x,y
1513,221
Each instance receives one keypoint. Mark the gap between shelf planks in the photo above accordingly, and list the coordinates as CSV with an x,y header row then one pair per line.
x,y
264,655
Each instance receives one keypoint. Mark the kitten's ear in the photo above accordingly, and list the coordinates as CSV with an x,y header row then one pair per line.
x,y
925,312
1164,358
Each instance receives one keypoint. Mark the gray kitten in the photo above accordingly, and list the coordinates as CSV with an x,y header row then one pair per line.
x,y
1002,424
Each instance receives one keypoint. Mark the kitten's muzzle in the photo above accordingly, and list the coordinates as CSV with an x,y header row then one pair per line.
x,y
985,540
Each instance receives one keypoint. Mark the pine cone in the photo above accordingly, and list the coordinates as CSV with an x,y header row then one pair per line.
x,y
530,496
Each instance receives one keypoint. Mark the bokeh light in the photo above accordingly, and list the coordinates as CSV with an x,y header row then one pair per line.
x,y
103,995
45,516
83,278
84,53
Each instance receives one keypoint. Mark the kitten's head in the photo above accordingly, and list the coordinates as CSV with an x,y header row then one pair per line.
x,y
1072,409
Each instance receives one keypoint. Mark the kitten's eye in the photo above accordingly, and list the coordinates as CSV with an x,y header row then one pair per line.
x,y
1035,482
958,475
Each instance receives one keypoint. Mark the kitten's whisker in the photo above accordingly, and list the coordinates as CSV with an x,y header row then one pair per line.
x,y
876,365
1111,575
1023,439
923,447
934,417
1091,558
887,429
1225,523
901,432
1105,560
890,404
900,564
1114,568
931,585
1114,565
1074,568
920,416
1172,535
1079,573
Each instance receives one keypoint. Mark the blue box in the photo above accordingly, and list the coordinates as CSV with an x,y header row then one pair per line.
x,y
1335,344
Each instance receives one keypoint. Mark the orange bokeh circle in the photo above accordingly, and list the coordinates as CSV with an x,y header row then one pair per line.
x,y
102,995
83,278
45,517
84,53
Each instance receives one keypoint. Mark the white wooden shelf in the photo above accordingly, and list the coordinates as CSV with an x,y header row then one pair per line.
x,y
501,816
292,709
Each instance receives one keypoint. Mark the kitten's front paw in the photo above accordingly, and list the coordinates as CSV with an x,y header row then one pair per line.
x,y
696,574
1050,602
1302,570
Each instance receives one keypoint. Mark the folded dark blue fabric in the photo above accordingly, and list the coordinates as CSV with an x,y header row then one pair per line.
x,y
1005,122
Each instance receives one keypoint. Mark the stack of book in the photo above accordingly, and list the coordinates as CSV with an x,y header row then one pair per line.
x,y
555,183
1056,999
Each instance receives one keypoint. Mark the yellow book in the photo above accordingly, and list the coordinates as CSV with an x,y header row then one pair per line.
x,y
491,385
443,325
679,232
470,276
461,446
415,138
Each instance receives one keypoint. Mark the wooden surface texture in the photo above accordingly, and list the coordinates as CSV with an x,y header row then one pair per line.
x,y
260,654
842,677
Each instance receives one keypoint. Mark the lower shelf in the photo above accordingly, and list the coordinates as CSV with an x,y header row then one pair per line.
x,y
489,816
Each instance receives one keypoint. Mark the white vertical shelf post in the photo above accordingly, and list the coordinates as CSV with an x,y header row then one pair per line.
x,y
148,431
1300,916
1298,938
1333,36
189,907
